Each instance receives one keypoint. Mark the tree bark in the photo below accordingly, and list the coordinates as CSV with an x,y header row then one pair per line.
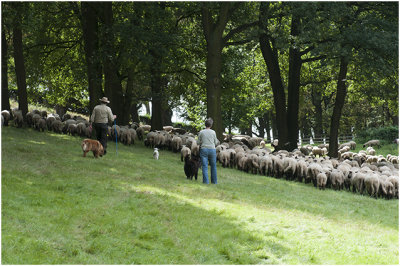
x,y
113,86
91,45
293,88
20,64
156,91
213,34
271,59
316,99
5,97
337,109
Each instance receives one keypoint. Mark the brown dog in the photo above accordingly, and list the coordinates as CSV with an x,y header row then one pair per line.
x,y
92,145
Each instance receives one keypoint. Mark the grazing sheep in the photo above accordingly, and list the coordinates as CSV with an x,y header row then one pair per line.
x,y
289,166
185,151
252,164
278,166
140,133
18,118
176,143
146,127
374,142
71,129
239,156
318,151
337,179
321,180
312,171
126,137
301,170
265,165
81,129
370,151
224,158
6,116
133,134
57,126
371,182
195,150
41,126
386,189
357,182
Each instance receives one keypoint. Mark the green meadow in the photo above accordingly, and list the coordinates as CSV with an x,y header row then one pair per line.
x,y
127,208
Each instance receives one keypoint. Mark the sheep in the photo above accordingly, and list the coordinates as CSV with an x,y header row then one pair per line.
x,y
57,126
371,159
224,158
357,182
41,126
347,155
317,151
312,171
301,170
81,129
374,142
265,165
239,156
115,132
133,134
252,164
176,143
337,179
321,180
278,166
371,182
146,127
168,128
241,163
18,118
125,136
6,116
289,166
195,149
370,151
386,188
71,129
306,150
185,151
395,181
140,133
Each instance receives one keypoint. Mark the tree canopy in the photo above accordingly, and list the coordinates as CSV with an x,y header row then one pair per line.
x,y
255,67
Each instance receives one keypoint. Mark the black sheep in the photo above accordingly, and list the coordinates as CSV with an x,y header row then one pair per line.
x,y
192,164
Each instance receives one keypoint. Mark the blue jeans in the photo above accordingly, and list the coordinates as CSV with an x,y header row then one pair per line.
x,y
209,155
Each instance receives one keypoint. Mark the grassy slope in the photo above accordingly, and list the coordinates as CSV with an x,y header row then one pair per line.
x,y
61,208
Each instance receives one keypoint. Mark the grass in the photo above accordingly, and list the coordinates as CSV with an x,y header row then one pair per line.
x,y
61,208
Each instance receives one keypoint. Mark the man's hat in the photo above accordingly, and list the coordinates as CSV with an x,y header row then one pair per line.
x,y
104,100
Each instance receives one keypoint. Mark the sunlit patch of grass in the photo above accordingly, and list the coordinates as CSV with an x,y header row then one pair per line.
x,y
61,208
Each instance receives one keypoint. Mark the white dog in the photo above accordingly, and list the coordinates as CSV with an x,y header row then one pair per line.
x,y
155,154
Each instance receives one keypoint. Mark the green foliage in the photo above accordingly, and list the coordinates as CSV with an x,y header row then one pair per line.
x,y
385,134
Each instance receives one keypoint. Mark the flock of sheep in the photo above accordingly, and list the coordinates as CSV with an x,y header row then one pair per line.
x,y
363,172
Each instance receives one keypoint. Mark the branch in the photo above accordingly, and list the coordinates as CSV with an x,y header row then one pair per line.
x,y
238,30
311,59
238,42
307,50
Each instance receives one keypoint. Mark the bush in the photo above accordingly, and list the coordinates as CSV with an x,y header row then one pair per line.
x,y
385,134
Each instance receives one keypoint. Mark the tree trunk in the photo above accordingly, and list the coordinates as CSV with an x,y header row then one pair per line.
x,y
293,88
5,97
213,33
113,87
92,53
213,83
20,65
271,59
267,117
156,91
128,97
337,110
317,102
261,127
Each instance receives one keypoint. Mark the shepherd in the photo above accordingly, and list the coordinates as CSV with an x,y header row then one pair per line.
x,y
101,117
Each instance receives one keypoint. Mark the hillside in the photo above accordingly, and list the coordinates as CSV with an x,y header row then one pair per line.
x,y
61,208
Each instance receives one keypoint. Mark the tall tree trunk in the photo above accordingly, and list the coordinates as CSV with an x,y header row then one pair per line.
x,y
316,98
20,64
293,88
5,97
128,97
156,91
267,117
213,33
337,110
113,87
90,30
261,127
271,59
